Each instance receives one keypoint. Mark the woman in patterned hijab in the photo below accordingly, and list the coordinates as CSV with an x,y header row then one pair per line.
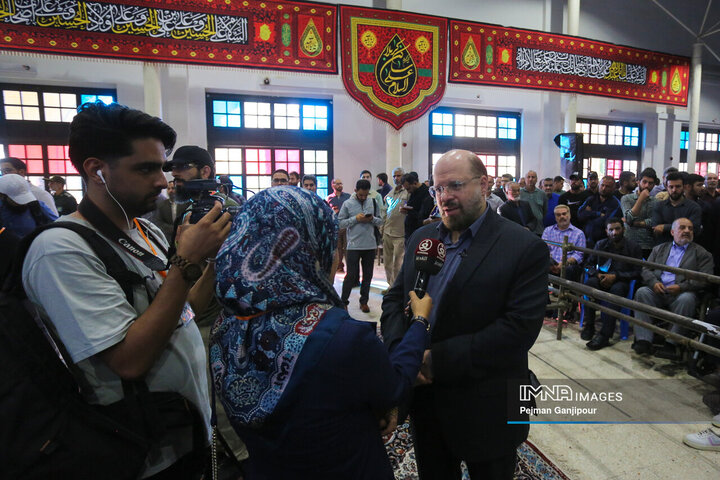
x,y
302,383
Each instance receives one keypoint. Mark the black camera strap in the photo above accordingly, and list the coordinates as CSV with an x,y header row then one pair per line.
x,y
103,224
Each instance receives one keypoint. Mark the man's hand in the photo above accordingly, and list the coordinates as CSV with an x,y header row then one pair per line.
x,y
643,195
202,240
571,261
421,306
658,229
659,288
388,423
673,289
607,280
425,376
361,218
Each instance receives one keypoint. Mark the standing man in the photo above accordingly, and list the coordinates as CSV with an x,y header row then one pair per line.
x,y
394,228
336,200
294,179
669,290
711,183
374,195
553,199
674,207
419,205
592,183
662,187
558,185
18,167
536,198
609,275
385,188
505,178
358,216
517,210
119,153
309,182
65,203
637,209
573,198
20,212
597,209
626,184
166,212
479,342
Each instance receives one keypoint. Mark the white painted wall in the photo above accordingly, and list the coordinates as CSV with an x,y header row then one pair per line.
x,y
359,139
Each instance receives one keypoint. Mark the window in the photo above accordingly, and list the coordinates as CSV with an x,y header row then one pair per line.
x,y
441,124
465,125
257,115
487,127
270,133
315,117
507,128
610,148
493,136
706,153
287,115
34,128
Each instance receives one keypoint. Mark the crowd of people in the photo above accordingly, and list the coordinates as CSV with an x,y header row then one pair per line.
x,y
307,390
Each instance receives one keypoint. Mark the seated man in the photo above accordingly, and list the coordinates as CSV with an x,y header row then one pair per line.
x,y
517,210
556,233
667,289
610,275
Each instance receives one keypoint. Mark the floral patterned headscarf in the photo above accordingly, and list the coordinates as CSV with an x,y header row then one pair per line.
x,y
273,283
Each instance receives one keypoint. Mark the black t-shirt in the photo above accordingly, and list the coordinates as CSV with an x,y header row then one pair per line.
x,y
65,203
574,201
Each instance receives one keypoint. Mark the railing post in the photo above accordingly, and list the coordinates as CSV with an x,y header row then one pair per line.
x,y
561,295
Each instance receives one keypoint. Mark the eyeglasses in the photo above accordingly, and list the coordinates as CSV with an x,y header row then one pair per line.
x,y
452,187
182,167
280,181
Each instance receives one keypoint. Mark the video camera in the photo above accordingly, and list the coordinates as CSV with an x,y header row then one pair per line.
x,y
203,195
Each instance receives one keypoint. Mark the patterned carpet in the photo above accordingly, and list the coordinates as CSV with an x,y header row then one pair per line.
x,y
532,464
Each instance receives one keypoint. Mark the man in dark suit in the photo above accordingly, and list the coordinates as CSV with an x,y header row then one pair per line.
x,y
165,212
489,302
668,290
517,210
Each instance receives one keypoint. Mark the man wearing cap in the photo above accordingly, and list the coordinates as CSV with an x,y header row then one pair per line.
x,y
20,212
593,183
18,167
573,198
64,201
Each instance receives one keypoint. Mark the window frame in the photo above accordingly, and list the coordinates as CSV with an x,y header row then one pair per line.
x,y
499,147
594,152
270,138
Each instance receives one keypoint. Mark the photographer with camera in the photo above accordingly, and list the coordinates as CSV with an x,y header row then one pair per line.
x,y
136,328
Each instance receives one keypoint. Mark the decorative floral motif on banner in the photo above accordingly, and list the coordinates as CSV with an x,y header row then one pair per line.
x,y
393,62
509,57
250,33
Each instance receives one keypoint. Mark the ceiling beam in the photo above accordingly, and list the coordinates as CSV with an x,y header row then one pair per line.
x,y
656,2
707,10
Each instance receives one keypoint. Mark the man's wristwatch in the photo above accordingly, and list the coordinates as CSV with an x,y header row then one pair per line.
x,y
423,320
191,272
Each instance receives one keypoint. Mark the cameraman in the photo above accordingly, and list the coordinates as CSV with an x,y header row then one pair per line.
x,y
191,162
110,337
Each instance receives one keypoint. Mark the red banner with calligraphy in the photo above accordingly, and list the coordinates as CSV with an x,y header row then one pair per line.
x,y
393,63
509,57
250,33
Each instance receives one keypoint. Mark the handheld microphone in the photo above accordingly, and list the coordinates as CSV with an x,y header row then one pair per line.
x,y
429,259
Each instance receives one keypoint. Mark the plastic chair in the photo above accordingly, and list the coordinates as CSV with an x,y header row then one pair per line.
x,y
624,324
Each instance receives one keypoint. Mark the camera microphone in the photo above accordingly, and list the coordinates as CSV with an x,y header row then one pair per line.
x,y
429,259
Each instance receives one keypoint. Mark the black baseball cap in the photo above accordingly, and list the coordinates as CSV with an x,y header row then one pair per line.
x,y
190,154
592,175
575,176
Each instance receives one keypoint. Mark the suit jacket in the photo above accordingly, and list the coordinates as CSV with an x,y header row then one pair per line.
x,y
695,258
624,271
510,211
487,320
163,218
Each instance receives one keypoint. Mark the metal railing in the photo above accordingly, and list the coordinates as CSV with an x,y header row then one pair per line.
x,y
569,292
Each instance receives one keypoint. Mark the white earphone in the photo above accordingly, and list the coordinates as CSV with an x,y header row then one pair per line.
x,y
99,173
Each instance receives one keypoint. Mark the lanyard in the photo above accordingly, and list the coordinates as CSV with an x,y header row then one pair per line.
x,y
98,219
142,234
